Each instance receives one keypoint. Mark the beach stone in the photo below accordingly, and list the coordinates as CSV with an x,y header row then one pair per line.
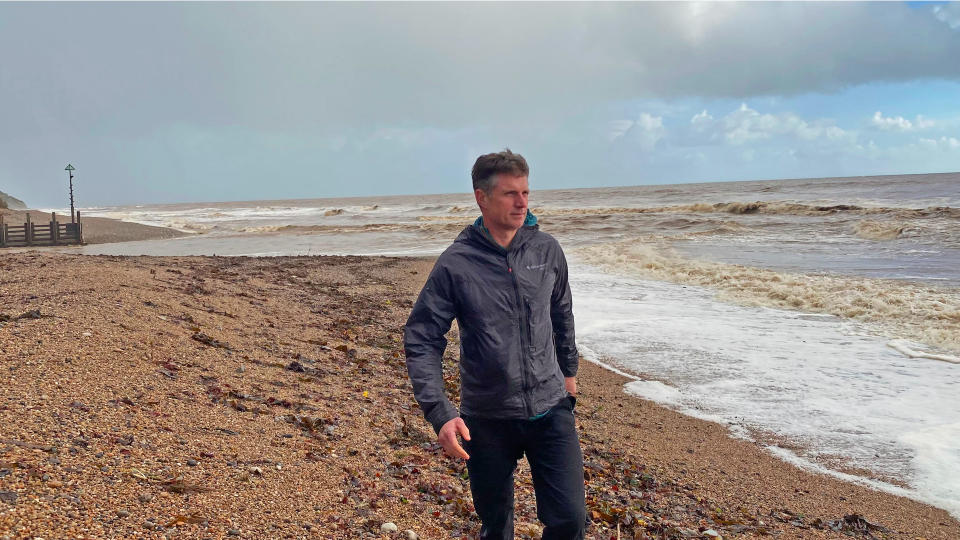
x,y
145,497
711,533
388,527
8,497
192,462
123,513
410,534
234,532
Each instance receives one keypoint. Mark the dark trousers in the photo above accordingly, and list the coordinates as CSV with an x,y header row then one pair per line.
x,y
556,464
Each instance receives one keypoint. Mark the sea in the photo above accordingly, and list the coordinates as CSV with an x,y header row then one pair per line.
x,y
817,317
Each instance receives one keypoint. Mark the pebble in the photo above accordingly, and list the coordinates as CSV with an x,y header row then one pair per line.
x,y
105,468
256,470
388,528
145,497
149,524
123,513
410,534
711,533
234,532
192,462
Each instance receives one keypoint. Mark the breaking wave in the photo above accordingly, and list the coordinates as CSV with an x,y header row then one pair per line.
x,y
760,207
370,227
878,230
899,310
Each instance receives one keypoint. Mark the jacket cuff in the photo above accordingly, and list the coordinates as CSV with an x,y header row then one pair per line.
x,y
570,368
443,414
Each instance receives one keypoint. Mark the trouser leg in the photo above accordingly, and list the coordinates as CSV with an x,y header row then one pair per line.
x,y
494,452
556,463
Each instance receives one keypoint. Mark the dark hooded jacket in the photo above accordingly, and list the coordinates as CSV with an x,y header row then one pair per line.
x,y
515,315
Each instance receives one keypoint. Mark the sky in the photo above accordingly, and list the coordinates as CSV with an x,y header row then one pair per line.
x,y
191,102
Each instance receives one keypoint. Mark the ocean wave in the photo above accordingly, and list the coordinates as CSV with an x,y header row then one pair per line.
x,y
369,227
900,310
880,230
758,207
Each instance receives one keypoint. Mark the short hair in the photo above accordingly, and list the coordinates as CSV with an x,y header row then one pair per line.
x,y
489,165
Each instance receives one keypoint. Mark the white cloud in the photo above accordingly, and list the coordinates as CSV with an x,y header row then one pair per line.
x,y
701,118
746,125
899,123
943,143
644,132
948,13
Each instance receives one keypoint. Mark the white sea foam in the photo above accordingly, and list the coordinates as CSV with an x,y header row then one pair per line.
x,y
827,385
899,310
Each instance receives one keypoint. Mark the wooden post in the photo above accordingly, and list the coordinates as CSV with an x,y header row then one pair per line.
x,y
54,228
79,229
3,232
28,231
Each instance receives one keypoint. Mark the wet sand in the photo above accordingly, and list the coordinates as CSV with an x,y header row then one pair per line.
x,y
268,398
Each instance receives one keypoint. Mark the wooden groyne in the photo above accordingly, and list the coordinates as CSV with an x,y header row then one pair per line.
x,y
52,233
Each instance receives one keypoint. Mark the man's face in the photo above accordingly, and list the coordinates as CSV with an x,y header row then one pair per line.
x,y
505,207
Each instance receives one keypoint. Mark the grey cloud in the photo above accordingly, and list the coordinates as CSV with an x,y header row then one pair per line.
x,y
122,67
187,94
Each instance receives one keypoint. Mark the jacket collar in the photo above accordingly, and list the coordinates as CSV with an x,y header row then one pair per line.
x,y
479,234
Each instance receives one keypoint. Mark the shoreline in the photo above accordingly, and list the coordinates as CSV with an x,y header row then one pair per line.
x,y
207,395
98,230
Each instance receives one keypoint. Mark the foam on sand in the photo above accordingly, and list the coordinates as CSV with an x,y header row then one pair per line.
x,y
836,396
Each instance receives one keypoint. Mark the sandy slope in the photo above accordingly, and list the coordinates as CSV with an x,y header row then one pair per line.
x,y
267,398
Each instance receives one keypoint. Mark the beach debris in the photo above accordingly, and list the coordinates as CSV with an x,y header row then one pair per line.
x,y
182,487
207,340
855,523
30,446
30,314
179,520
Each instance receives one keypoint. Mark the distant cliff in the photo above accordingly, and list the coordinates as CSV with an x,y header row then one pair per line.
x,y
13,203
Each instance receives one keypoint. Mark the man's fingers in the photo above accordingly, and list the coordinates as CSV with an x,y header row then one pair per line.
x,y
453,448
463,430
459,452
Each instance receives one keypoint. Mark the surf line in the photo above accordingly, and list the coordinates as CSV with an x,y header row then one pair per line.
x,y
901,347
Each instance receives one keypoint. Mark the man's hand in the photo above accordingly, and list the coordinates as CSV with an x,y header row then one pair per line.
x,y
448,438
571,384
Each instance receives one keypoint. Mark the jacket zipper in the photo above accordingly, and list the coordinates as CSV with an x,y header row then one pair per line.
x,y
523,341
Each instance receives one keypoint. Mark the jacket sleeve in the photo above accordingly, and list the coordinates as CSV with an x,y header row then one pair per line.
x,y
561,315
424,343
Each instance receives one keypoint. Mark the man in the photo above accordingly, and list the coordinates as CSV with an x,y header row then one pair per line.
x,y
506,284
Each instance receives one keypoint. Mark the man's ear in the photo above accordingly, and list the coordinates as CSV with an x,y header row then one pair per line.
x,y
481,197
